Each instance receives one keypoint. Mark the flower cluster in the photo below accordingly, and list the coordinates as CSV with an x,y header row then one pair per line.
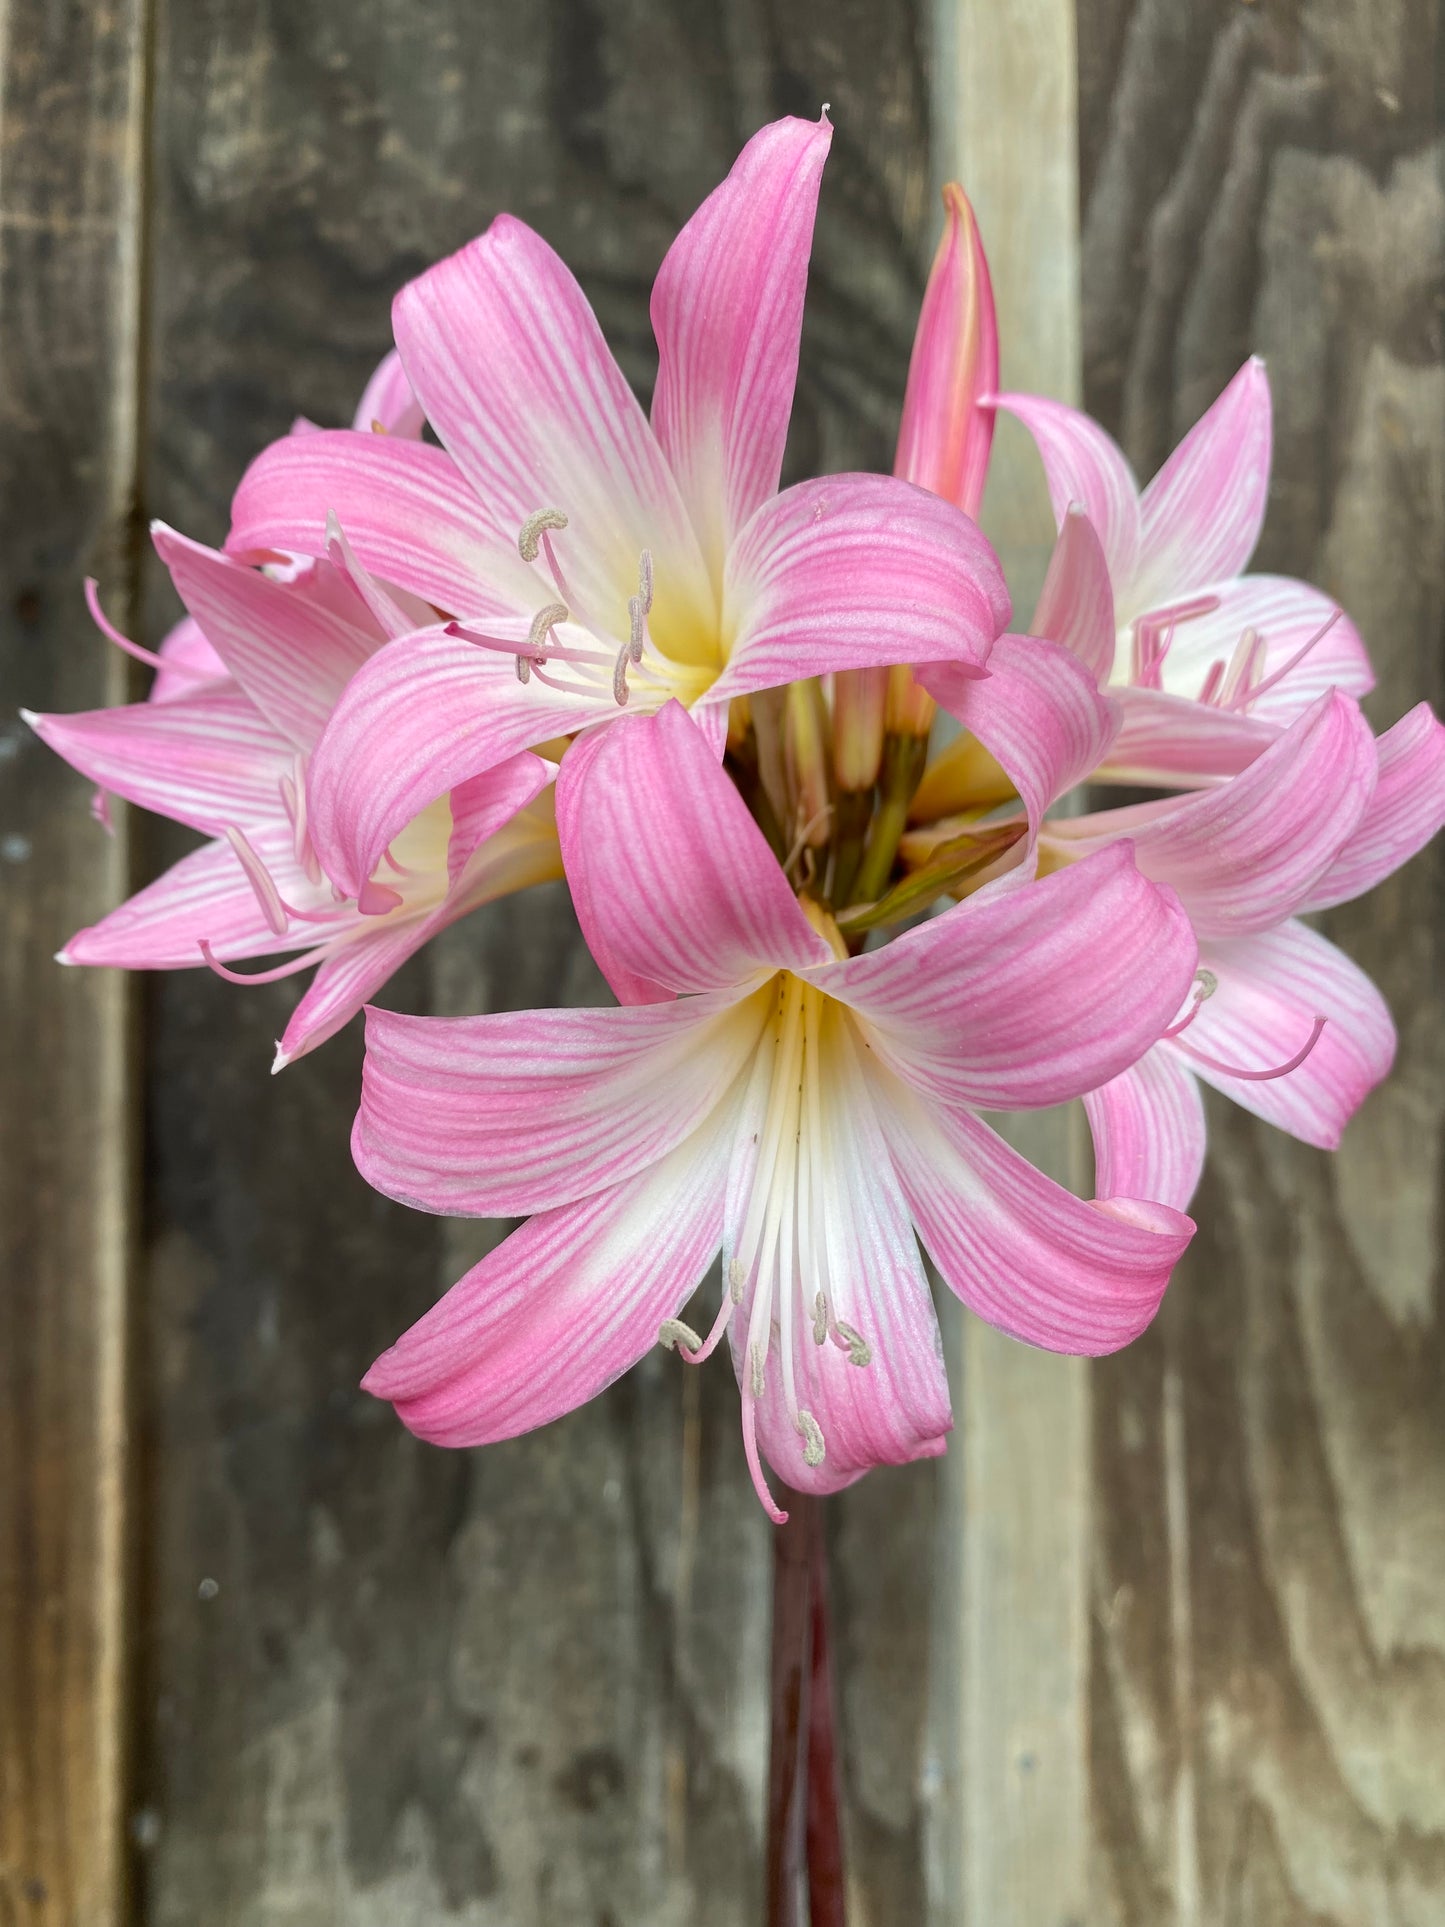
x,y
811,796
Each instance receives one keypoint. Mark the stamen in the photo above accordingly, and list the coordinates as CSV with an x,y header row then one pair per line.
x,y
147,656
260,880
275,908
1295,660
698,1353
620,690
860,1352
377,899
755,1470
545,620
1154,634
814,1450
755,1361
672,1333
820,1319
303,962
639,608
1244,666
1206,984
529,538
737,1280
1260,1077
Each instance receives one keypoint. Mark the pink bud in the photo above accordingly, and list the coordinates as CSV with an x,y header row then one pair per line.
x,y
944,442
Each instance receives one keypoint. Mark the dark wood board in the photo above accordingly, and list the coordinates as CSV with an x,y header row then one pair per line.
x,y
72,110
524,1685
1269,1640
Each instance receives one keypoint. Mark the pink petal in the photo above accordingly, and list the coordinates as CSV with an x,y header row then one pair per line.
x,y
1272,987
945,436
1038,711
525,1111
189,662
1407,808
205,895
290,654
1149,1135
1201,515
1172,742
1246,854
1020,1250
508,361
1028,997
405,507
565,1305
209,760
482,804
853,570
427,713
388,402
1286,614
674,886
374,950
727,310
1076,603
1085,468
896,1407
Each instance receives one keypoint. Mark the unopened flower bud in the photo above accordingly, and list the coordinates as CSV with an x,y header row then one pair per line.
x,y
859,699
805,750
944,441
909,710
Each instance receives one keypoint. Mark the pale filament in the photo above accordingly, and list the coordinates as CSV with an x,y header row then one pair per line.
x,y
782,1248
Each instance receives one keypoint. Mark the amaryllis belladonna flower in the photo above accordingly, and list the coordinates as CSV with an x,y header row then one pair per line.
x,y
227,756
594,560
1281,1021
1247,650
1309,810
763,1093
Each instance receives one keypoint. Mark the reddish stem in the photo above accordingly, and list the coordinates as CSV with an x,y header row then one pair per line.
x,y
827,1905
804,1852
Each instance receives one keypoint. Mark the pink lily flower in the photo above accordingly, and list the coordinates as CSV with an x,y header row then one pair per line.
x,y
184,658
594,560
763,1093
1208,661
227,755
1280,1020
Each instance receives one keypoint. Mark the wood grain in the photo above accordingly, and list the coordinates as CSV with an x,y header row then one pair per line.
x,y
72,108
1010,1815
383,1683
1269,1644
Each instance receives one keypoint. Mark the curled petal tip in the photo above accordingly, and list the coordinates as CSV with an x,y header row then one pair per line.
x,y
282,1058
64,957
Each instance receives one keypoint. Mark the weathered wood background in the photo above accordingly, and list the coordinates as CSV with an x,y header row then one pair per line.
x,y
264,1659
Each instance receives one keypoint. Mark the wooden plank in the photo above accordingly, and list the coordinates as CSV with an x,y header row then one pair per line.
x,y
1010,1816
1269,1640
72,104
387,1684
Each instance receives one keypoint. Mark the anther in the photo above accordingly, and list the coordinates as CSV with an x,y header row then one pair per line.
x,y
529,538
814,1450
620,691
820,1319
737,1280
672,1333
546,619
859,1350
755,1356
